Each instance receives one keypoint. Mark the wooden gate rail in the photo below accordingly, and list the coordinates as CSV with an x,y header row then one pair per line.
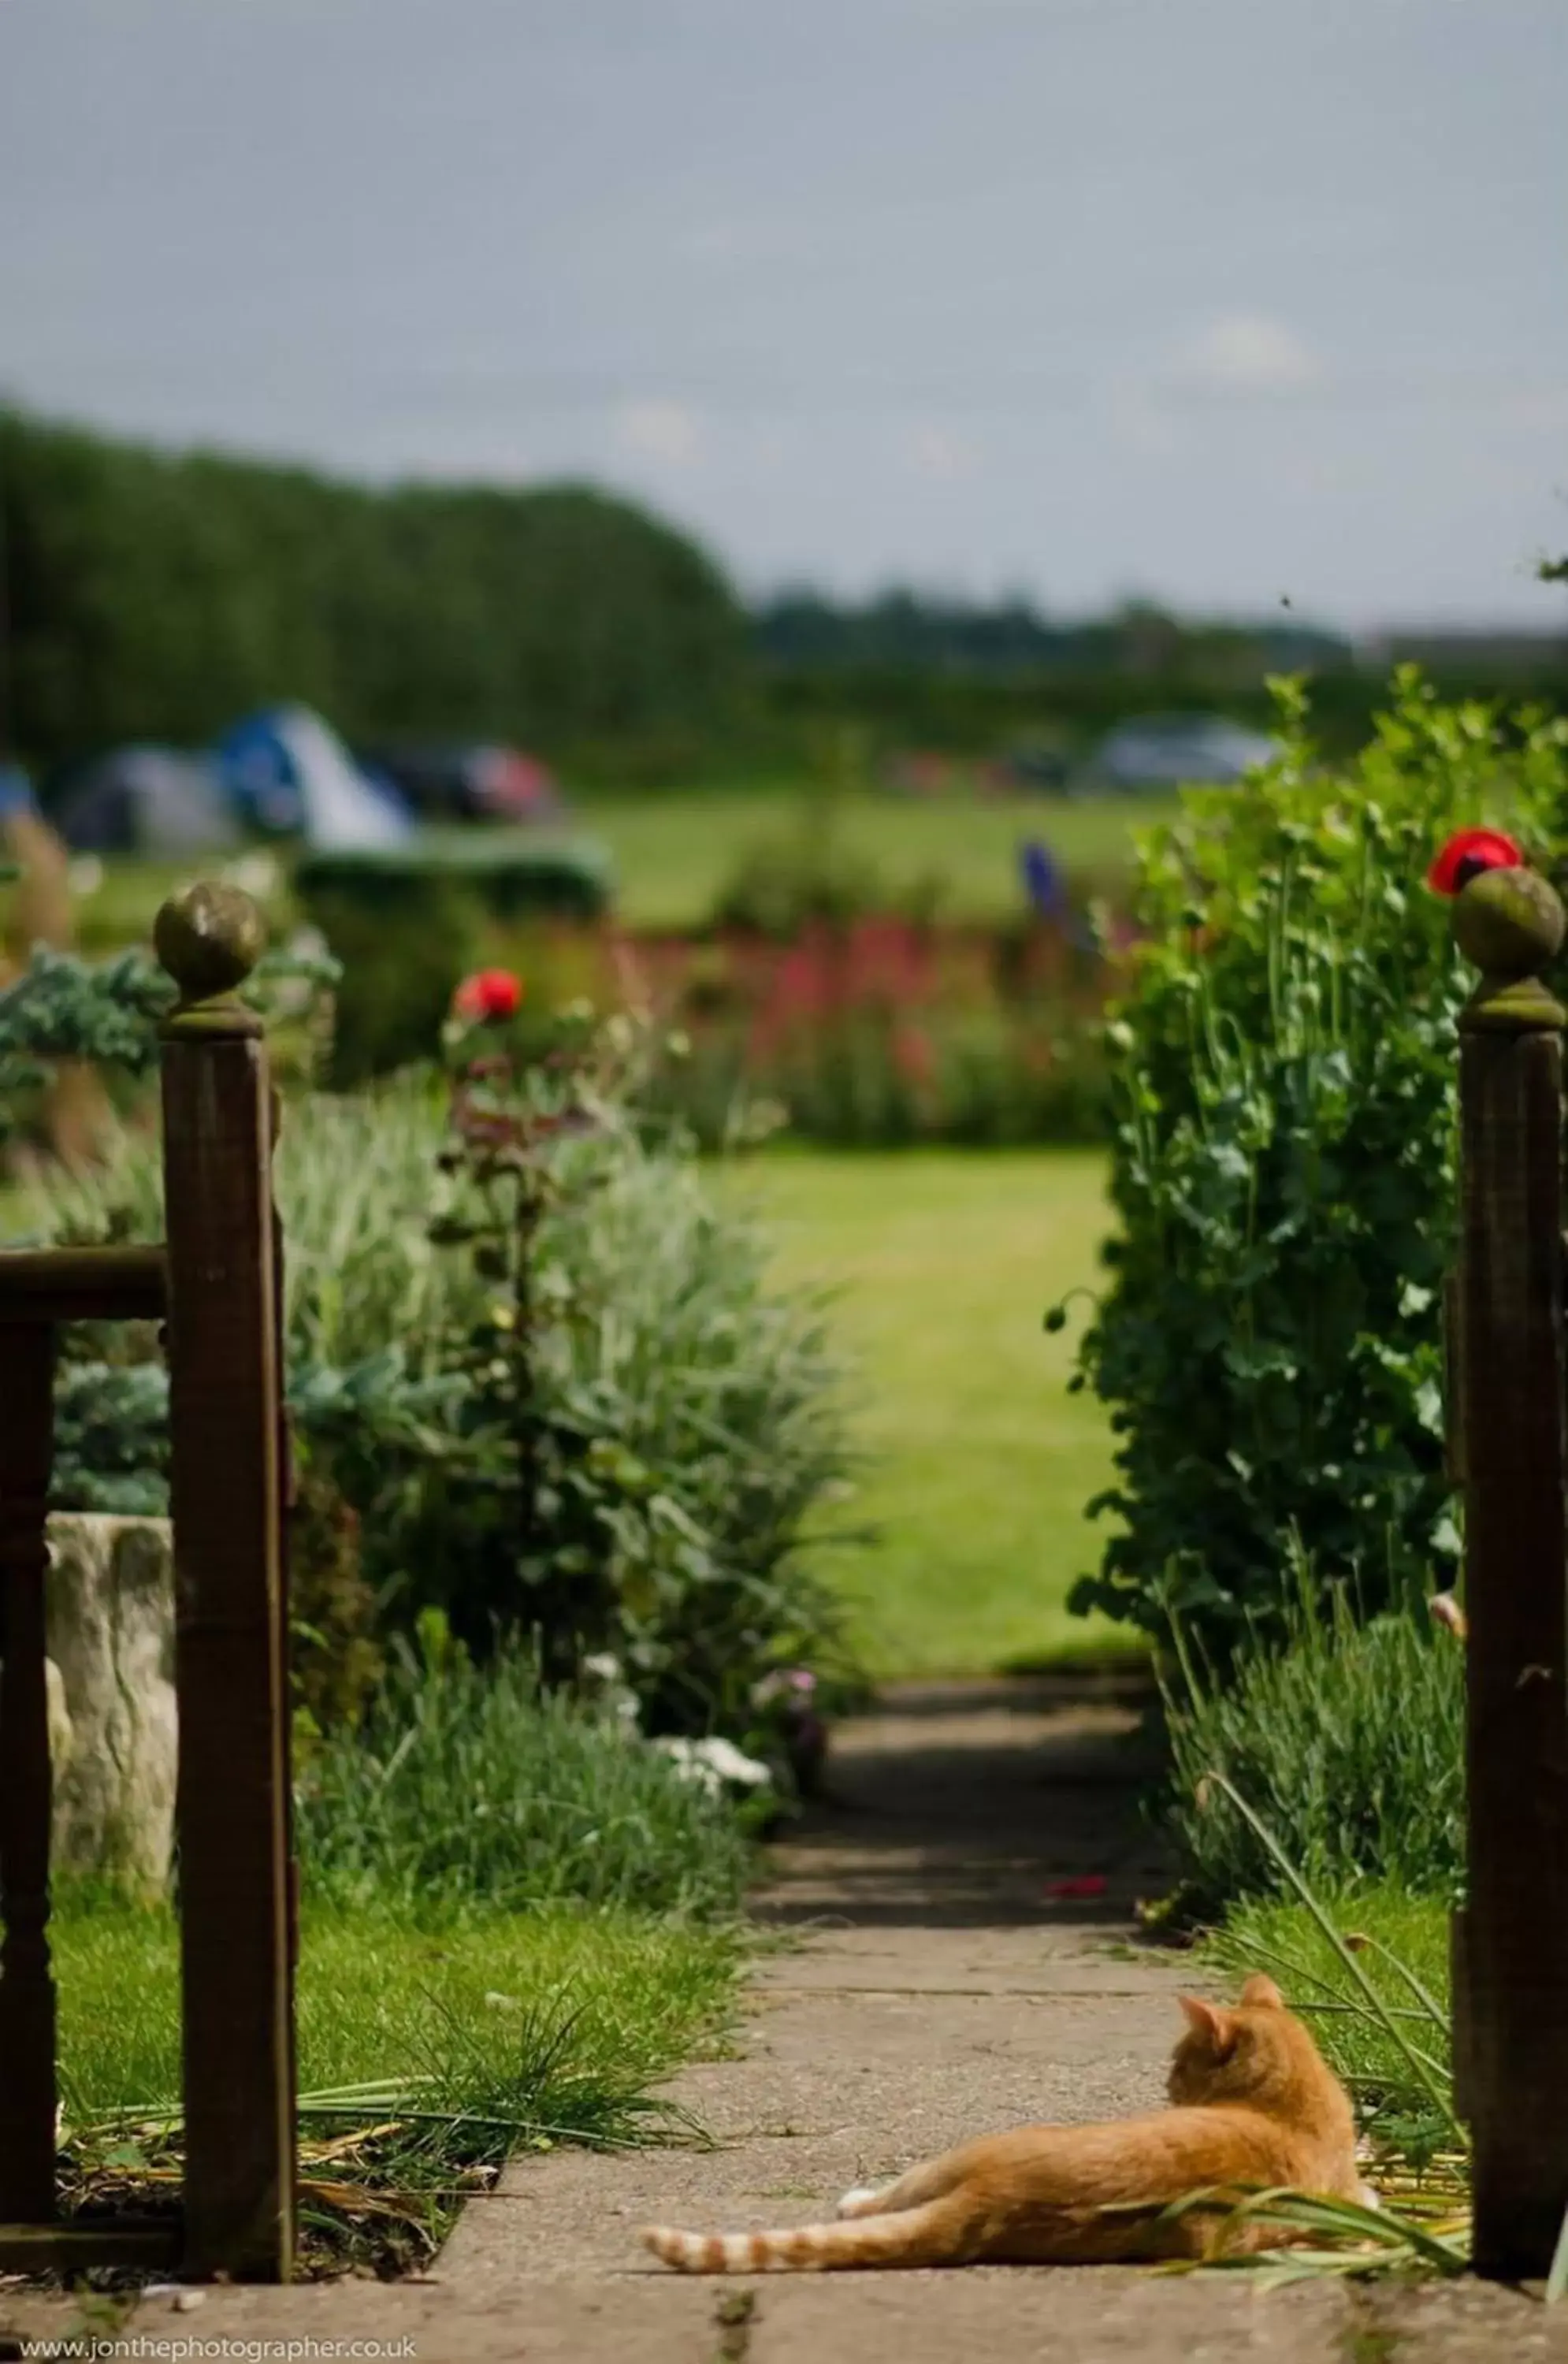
x,y
217,1287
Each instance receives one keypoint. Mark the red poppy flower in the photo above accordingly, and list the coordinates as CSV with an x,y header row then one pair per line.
x,y
1467,853
489,995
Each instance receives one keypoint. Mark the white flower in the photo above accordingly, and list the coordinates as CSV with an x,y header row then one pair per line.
x,y
714,1763
602,1679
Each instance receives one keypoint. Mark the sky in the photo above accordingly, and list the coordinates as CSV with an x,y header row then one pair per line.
x,y
1218,302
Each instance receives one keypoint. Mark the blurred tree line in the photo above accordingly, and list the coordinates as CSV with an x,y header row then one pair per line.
x,y
155,596
900,630
973,678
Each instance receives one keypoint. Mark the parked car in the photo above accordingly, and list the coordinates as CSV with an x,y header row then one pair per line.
x,y
468,783
1173,750
1042,770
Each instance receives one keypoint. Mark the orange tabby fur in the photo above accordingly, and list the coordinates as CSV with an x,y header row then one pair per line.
x,y
1252,2104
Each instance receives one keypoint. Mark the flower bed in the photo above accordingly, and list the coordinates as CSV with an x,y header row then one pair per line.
x,y
874,1031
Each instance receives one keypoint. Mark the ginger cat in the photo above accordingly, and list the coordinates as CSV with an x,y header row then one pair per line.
x,y
1252,2104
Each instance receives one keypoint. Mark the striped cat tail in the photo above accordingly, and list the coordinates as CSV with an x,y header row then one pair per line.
x,y
932,2236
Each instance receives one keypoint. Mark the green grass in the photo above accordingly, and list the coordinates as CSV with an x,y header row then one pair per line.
x,y
1413,1930
519,1921
554,1806
674,850
946,1263
379,2000
426,2058
1347,1739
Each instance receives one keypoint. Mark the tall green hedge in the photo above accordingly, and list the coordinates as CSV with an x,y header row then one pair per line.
x,y
1283,1078
159,596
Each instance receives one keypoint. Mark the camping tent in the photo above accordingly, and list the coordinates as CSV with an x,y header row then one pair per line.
x,y
289,775
144,800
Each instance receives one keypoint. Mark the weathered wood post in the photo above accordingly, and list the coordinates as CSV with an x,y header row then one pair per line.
x,y
224,1412
1511,1944
28,2098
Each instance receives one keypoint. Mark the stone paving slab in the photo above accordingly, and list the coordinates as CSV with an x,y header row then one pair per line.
x,y
931,1987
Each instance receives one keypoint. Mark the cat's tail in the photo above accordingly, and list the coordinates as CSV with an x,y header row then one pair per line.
x,y
932,2236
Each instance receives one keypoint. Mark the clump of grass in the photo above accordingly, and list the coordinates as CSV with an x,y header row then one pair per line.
x,y
1346,1738
518,1921
1398,1943
1378,1999
426,2056
467,1786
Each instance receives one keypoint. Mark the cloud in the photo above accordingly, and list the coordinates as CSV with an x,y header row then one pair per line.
x,y
937,454
1247,353
669,432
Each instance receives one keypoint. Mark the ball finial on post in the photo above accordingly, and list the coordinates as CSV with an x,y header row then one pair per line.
x,y
1510,923
209,940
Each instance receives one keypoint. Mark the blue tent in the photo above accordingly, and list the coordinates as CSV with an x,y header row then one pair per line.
x,y
290,775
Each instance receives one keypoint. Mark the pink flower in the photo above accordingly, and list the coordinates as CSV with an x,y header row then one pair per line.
x,y
488,996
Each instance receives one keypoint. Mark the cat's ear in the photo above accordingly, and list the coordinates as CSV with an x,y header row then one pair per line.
x,y
1262,1994
1215,2025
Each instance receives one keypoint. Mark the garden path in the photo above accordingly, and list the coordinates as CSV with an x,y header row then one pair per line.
x,y
937,1988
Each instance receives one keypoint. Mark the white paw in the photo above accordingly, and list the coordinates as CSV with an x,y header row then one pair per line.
x,y
860,2200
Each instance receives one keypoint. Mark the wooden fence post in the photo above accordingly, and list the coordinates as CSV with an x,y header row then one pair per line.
x,y
1513,1938
27,2098
224,1411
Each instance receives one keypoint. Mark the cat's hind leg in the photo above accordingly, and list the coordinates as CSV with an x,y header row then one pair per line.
x,y
862,2200
932,2180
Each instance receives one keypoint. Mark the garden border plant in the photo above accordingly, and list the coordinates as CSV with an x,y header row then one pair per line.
x,y
1282,1169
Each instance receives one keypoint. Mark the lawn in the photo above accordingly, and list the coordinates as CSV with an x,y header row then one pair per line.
x,y
674,851
427,2055
562,2018
946,1262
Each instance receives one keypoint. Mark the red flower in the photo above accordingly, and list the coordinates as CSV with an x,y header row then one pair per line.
x,y
1467,853
488,996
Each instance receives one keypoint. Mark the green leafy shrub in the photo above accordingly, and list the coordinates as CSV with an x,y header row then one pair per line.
x,y
111,1438
684,1415
406,923
1283,1081
109,1012
645,1425
1347,1739
468,1785
335,1656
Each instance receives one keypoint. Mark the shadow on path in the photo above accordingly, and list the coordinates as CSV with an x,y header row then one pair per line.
x,y
964,1805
